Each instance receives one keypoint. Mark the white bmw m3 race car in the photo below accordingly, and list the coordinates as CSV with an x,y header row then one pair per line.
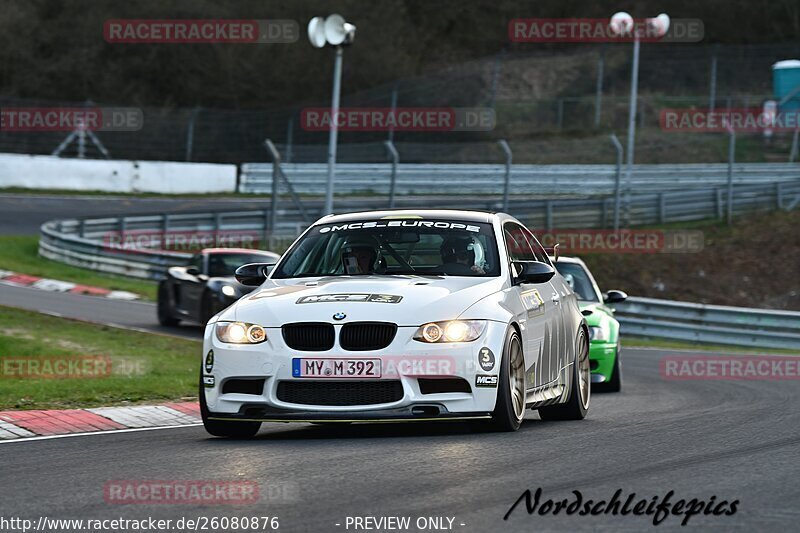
x,y
399,316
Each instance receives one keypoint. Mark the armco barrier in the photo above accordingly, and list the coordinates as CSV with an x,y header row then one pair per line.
x,y
310,178
94,243
717,324
89,242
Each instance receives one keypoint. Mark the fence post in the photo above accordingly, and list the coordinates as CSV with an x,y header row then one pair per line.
x,y
731,154
507,179
603,213
712,93
190,133
123,224
394,111
289,139
598,96
662,208
549,211
793,152
217,226
395,159
779,195
81,227
617,184
718,197
560,110
276,172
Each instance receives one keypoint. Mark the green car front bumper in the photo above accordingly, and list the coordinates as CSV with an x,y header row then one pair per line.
x,y
601,360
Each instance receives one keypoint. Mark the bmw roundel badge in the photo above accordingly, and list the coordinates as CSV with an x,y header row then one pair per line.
x,y
339,316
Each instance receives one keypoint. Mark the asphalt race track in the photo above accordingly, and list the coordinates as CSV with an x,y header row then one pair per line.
x,y
732,440
126,314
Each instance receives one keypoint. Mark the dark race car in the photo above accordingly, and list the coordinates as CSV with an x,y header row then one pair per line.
x,y
205,286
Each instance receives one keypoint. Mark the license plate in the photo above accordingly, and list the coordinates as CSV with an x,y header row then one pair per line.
x,y
336,368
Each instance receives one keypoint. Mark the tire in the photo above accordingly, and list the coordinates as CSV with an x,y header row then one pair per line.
x,y
165,317
510,406
221,428
577,405
615,383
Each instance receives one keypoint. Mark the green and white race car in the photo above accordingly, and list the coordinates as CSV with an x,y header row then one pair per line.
x,y
604,347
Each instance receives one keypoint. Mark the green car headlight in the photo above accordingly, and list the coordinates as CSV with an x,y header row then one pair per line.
x,y
240,332
596,333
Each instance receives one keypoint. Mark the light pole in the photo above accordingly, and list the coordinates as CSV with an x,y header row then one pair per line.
x,y
621,24
334,31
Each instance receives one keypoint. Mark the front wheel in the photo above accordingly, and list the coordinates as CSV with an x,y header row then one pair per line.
x,y
165,317
577,405
222,428
510,406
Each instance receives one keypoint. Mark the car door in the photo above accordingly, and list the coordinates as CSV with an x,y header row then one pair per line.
x,y
562,298
539,310
192,285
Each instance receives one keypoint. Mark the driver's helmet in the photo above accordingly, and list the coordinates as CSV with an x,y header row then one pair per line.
x,y
462,248
360,254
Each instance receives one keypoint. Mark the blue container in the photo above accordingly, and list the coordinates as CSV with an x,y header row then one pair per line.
x,y
785,80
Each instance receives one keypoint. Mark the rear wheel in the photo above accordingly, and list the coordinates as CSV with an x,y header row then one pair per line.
x,y
222,428
615,383
165,317
510,407
577,405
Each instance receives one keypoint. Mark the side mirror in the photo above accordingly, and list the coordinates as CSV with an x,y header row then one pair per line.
x,y
193,271
553,252
532,272
253,274
614,297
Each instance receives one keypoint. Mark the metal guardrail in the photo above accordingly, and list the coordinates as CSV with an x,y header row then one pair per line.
x,y
757,328
99,243
119,245
589,180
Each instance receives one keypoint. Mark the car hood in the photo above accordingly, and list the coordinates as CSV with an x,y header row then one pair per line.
x,y
594,312
404,300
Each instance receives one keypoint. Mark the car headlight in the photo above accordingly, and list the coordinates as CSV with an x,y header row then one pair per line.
x,y
229,290
451,331
596,333
240,333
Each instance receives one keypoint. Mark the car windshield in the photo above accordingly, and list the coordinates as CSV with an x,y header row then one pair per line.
x,y
394,247
578,279
225,264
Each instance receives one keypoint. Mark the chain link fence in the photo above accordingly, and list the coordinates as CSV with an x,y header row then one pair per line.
x,y
553,104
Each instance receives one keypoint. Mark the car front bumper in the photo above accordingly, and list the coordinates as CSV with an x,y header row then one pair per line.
x,y
601,360
405,361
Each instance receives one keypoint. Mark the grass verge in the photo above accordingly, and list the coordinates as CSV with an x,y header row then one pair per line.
x,y
20,253
144,367
649,342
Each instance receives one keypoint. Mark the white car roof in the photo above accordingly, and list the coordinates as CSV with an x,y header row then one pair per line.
x,y
451,214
